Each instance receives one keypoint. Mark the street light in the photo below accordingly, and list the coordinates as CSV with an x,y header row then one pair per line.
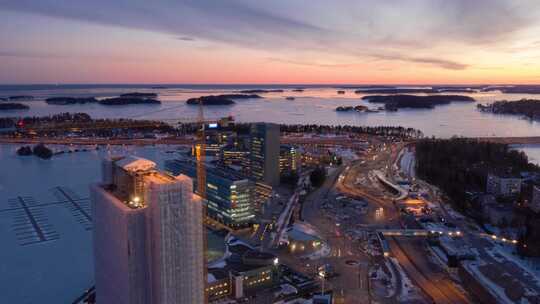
x,y
322,275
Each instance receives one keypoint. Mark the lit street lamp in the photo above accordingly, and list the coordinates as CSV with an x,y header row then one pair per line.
x,y
322,275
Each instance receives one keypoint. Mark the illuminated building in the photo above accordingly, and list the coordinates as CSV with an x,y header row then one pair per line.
x,y
148,238
263,193
289,159
229,194
264,153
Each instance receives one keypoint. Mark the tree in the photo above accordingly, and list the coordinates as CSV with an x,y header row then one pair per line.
x,y
317,176
289,178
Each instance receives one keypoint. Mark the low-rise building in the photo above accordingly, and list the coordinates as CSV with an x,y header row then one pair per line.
x,y
243,273
503,184
535,200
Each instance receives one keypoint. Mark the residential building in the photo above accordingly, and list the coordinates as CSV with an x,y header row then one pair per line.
x,y
264,153
148,235
229,194
503,184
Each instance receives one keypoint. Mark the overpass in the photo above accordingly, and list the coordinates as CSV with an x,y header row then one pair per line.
x,y
417,232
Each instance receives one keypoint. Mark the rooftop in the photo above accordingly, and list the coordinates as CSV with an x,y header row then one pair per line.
x,y
134,163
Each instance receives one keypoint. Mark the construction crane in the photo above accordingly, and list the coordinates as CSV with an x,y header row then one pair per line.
x,y
201,189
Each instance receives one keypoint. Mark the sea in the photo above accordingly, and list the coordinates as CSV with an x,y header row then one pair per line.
x,y
45,229
314,105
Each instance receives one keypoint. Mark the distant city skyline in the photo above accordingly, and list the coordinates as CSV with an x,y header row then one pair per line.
x,y
272,42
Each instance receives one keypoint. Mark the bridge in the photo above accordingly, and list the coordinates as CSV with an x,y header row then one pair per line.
x,y
417,232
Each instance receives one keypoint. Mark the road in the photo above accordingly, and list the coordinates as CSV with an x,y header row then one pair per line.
x,y
410,253
351,285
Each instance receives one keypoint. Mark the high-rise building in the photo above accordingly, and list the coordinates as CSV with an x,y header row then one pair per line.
x,y
229,194
148,235
289,159
264,153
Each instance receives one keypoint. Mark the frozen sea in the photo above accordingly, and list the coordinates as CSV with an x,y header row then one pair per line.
x,y
58,265
316,104
55,264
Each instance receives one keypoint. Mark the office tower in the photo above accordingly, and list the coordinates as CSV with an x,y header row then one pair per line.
x,y
229,194
148,235
289,159
264,153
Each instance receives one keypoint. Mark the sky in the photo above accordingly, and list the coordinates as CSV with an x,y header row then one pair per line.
x,y
277,41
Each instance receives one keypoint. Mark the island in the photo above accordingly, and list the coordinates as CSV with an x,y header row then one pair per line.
x,y
211,100
70,100
260,91
120,101
394,102
21,97
431,90
298,90
289,98
358,108
341,92
517,89
529,108
24,151
3,99
139,95
42,152
13,106
217,100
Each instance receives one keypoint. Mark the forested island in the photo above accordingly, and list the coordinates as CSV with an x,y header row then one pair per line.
x,y
394,102
70,100
21,97
120,101
518,89
39,150
358,108
259,91
139,95
216,100
13,106
529,108
432,90
459,165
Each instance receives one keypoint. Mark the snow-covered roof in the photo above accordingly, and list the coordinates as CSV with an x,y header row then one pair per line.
x,y
134,163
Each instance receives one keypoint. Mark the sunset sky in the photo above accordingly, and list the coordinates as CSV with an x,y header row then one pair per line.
x,y
277,41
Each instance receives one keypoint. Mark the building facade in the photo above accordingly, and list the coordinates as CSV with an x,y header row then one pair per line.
x,y
229,194
289,159
535,201
503,185
148,235
264,153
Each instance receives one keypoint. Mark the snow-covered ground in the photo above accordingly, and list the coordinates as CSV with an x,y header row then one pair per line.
x,y
408,291
58,270
407,163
